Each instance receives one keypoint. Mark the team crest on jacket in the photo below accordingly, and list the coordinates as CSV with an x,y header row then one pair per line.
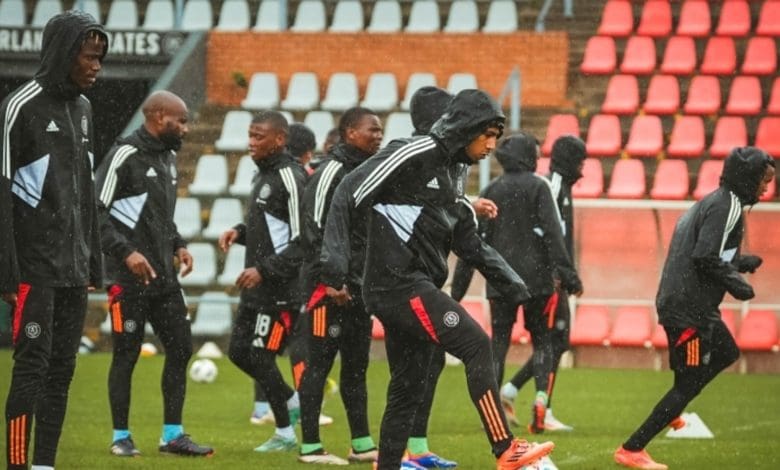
x,y
265,191
130,326
451,319
32,330
334,331
84,125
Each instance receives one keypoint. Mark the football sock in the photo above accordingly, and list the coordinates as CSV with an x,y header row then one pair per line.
x,y
417,445
363,444
509,390
310,448
541,396
121,434
286,432
261,408
171,431
293,402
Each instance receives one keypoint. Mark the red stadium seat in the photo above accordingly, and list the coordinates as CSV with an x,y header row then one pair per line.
x,y
591,326
646,138
656,19
760,56
720,56
745,96
632,327
771,190
758,331
560,124
639,56
703,95
773,107
730,132
377,330
769,19
687,138
600,57
659,339
622,95
768,135
708,179
663,95
730,319
519,334
670,181
591,185
477,310
734,19
679,56
695,19
628,180
604,137
617,19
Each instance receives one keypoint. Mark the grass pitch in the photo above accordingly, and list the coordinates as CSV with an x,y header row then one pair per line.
x,y
605,406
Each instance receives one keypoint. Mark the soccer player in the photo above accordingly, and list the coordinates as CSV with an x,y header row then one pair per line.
x,y
412,196
268,283
331,327
703,264
136,185
568,157
527,233
49,238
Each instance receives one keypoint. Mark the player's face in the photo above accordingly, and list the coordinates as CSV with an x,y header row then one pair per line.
x,y
483,145
366,134
769,175
87,64
264,140
174,126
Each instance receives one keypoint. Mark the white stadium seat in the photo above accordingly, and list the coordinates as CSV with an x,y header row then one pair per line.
x,y
342,92
397,126
245,172
268,16
123,14
461,81
12,13
44,10
225,213
197,16
381,92
214,315
159,16
416,81
463,17
233,16
347,17
320,122
501,17
204,265
424,17
263,92
385,17
211,176
234,264
310,17
187,217
235,132
303,92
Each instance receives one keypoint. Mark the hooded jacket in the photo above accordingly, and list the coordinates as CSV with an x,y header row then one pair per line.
x,y
414,221
568,153
136,187
271,231
48,219
527,230
704,259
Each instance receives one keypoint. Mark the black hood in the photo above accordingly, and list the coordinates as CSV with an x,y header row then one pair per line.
x,y
517,153
427,106
568,152
347,154
144,140
62,39
466,117
743,171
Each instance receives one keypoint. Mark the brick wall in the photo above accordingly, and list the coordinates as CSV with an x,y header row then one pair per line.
x,y
543,60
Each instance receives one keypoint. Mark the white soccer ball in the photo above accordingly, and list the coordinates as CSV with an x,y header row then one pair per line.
x,y
203,371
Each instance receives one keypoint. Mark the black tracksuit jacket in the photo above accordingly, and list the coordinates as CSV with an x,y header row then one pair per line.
x,y
271,231
414,201
136,187
48,217
704,259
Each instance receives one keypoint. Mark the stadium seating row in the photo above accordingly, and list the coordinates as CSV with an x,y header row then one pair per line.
x,y
310,16
695,19
381,94
679,57
646,137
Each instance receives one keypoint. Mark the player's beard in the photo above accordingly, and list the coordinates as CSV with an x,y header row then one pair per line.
x,y
171,140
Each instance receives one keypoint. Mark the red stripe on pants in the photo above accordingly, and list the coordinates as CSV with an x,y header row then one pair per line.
x,y
21,298
422,315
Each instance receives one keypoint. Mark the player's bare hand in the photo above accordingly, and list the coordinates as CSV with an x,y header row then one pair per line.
x,y
341,296
485,208
185,261
227,239
249,278
10,298
138,265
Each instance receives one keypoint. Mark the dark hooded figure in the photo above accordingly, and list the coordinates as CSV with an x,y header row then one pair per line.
x,y
527,233
411,197
49,241
703,264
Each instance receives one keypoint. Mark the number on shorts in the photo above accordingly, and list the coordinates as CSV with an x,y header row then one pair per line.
x,y
262,325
